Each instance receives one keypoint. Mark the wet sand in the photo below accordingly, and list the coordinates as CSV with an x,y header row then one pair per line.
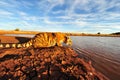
x,y
44,64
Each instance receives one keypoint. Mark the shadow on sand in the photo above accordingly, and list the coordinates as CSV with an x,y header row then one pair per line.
x,y
22,39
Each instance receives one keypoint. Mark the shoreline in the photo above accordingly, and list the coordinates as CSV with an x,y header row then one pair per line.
x,y
2,32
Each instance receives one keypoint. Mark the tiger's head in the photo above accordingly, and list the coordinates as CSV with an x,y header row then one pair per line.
x,y
68,41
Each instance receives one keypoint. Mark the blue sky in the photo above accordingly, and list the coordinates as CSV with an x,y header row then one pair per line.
x,y
89,16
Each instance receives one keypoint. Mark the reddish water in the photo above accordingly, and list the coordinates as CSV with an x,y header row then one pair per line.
x,y
104,52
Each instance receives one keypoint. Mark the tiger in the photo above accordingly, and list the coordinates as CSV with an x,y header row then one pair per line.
x,y
42,40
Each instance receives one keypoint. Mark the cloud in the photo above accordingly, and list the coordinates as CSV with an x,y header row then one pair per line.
x,y
21,13
5,4
26,4
5,13
64,15
15,4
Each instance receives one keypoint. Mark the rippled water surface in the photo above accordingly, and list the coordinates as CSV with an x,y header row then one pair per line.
x,y
104,52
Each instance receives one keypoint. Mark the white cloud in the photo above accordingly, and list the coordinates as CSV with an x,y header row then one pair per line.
x,y
15,4
5,13
26,4
97,15
2,3
27,17
47,5
22,13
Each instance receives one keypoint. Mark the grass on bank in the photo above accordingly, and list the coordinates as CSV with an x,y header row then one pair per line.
x,y
16,31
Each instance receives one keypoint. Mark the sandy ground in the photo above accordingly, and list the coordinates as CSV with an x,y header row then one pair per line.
x,y
13,39
54,63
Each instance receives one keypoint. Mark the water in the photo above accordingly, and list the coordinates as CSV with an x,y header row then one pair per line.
x,y
104,52
20,35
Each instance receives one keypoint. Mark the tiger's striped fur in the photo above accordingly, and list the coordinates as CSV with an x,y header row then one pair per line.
x,y
41,40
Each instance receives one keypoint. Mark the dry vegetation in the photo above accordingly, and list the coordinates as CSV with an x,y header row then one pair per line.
x,y
17,32
70,34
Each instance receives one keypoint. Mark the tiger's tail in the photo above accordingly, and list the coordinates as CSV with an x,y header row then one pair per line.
x,y
16,45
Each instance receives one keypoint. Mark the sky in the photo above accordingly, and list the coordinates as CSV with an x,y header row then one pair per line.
x,y
89,16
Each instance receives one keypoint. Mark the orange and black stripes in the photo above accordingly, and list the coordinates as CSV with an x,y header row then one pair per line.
x,y
41,40
15,45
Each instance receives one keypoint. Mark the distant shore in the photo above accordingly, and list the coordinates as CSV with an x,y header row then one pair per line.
x,y
2,32
17,32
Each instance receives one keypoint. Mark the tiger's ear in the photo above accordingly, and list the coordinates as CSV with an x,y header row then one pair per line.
x,y
66,38
53,34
